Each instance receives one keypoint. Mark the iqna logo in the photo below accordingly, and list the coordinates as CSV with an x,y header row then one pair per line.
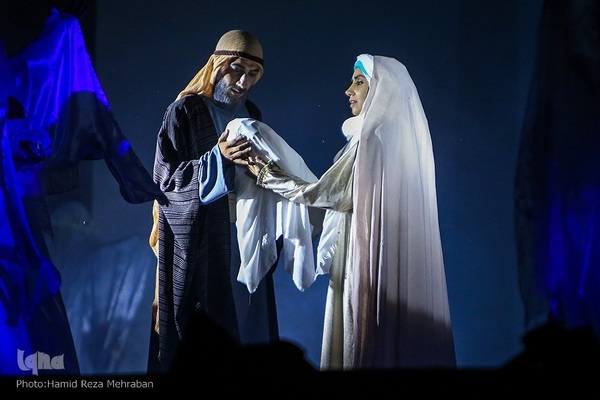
x,y
38,361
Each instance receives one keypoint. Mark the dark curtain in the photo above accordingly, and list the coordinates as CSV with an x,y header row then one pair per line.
x,y
557,197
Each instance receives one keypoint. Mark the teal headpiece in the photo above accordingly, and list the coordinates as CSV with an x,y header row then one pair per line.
x,y
365,63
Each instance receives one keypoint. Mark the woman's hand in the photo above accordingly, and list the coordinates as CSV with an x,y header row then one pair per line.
x,y
255,164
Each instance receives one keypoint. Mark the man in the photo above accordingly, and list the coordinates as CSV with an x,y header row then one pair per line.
x,y
194,235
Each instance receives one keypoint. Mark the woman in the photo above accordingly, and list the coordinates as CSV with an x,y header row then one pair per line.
x,y
387,302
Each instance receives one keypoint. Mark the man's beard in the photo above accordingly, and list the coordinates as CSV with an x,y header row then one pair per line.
x,y
221,95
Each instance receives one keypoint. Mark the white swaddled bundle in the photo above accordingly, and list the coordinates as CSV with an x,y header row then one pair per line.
x,y
262,216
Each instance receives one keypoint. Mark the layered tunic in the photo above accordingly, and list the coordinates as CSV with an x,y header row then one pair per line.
x,y
194,237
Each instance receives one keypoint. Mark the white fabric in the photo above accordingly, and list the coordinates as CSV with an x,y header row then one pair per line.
x,y
399,296
262,216
387,302
333,218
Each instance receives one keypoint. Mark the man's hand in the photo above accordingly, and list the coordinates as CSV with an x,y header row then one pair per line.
x,y
236,150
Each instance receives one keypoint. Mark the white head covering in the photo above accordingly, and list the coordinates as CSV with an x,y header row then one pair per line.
x,y
399,286
352,126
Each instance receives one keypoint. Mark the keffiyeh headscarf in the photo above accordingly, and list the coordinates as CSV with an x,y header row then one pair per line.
x,y
233,44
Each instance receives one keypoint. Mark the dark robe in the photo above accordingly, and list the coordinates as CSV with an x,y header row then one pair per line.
x,y
194,251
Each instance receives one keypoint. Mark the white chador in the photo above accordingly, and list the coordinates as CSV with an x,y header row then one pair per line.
x,y
387,303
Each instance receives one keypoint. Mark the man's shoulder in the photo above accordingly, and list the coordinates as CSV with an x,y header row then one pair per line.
x,y
253,110
187,104
189,100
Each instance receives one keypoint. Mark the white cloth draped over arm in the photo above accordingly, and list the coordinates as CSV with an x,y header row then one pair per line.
x,y
263,216
332,192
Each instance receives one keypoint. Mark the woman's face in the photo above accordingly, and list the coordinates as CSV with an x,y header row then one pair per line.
x,y
357,92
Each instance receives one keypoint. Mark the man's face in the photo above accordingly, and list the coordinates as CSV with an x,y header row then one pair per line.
x,y
235,80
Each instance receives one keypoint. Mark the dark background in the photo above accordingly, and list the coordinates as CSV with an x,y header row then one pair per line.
x,y
472,63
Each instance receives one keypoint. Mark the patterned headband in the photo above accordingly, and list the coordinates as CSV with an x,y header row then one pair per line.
x,y
238,54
